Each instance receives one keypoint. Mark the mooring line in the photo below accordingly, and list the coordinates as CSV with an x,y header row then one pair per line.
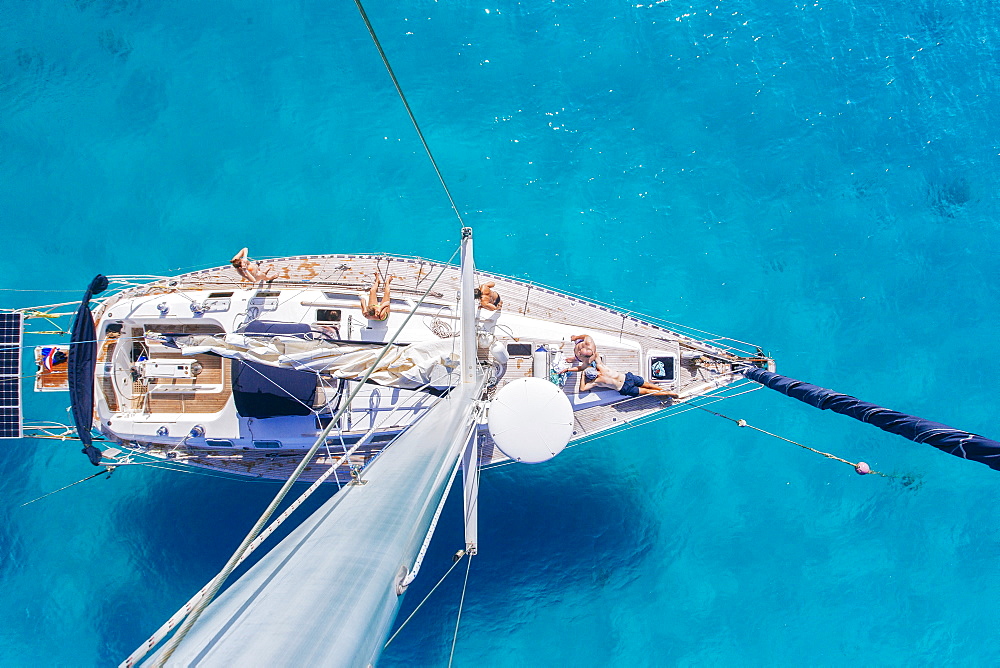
x,y
861,467
108,469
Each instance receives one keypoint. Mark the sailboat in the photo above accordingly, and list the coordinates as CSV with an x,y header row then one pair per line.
x,y
288,379
208,371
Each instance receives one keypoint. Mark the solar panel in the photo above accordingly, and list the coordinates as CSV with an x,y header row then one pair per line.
x,y
10,375
10,329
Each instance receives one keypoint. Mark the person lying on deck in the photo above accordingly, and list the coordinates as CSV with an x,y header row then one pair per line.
x,y
374,309
250,270
585,353
627,384
489,299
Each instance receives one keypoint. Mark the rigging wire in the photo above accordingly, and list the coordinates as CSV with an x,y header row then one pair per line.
x,y
413,119
458,558
232,477
461,604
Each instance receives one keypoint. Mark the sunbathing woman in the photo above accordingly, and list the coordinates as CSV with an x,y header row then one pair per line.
x,y
252,271
373,309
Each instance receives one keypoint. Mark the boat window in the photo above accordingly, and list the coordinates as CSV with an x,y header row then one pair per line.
x,y
267,444
218,443
268,293
219,295
661,368
327,315
322,421
519,349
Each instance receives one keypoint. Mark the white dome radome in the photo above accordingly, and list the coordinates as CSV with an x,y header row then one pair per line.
x,y
531,420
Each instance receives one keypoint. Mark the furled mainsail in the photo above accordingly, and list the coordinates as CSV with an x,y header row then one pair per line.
x,y
407,367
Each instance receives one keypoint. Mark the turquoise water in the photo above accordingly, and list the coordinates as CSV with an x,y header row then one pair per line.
x,y
819,178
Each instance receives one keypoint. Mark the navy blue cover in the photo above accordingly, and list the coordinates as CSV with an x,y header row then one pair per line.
x,y
262,391
80,369
282,328
953,441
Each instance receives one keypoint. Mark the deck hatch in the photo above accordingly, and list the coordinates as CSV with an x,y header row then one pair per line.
x,y
661,368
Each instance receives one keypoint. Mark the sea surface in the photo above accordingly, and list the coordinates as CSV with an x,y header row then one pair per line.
x,y
819,178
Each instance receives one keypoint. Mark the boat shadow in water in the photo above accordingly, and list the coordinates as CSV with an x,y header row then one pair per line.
x,y
549,534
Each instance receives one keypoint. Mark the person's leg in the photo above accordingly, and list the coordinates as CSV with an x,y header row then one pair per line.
x,y
382,308
373,293
648,387
386,301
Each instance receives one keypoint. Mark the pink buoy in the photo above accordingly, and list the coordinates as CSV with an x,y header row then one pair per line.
x,y
862,468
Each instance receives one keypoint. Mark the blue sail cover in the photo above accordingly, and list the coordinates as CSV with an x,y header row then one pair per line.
x,y
953,441
262,391
80,369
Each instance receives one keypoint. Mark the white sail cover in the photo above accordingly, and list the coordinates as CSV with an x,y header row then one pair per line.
x,y
326,594
407,367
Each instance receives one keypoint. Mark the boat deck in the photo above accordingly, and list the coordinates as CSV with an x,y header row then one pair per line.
x,y
704,363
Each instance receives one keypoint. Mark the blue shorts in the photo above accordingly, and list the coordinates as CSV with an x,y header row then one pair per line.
x,y
630,388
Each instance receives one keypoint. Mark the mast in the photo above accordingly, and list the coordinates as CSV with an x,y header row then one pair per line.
x,y
470,458
468,312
